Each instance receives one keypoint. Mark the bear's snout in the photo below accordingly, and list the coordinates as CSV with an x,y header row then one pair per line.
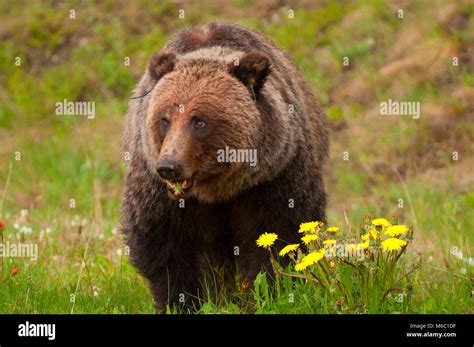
x,y
169,169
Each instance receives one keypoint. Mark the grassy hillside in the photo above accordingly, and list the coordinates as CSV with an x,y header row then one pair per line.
x,y
419,169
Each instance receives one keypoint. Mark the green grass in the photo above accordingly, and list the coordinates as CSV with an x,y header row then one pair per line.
x,y
68,158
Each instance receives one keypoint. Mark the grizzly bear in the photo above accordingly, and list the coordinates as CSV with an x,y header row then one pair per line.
x,y
194,204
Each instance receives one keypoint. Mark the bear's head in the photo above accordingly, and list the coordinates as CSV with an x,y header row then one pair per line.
x,y
199,109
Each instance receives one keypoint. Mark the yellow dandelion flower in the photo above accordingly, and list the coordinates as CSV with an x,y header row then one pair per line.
x,y
380,222
365,245
372,233
288,249
301,266
314,257
393,244
266,240
309,227
329,242
332,229
396,230
309,238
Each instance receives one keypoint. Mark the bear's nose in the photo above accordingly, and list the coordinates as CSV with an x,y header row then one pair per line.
x,y
168,169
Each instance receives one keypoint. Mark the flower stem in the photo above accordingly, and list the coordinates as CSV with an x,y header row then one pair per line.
x,y
276,271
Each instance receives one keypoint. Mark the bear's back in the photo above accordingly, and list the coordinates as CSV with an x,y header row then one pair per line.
x,y
233,37
228,35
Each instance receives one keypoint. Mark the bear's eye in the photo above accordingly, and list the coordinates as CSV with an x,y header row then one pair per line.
x,y
198,123
164,126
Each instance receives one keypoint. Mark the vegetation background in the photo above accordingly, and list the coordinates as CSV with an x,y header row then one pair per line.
x,y
82,267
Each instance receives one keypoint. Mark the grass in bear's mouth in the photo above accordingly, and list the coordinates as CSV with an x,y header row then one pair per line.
x,y
179,187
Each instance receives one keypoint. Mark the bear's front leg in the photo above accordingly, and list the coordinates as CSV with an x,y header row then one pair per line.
x,y
168,266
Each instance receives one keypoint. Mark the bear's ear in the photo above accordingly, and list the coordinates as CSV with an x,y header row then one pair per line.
x,y
160,64
252,70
